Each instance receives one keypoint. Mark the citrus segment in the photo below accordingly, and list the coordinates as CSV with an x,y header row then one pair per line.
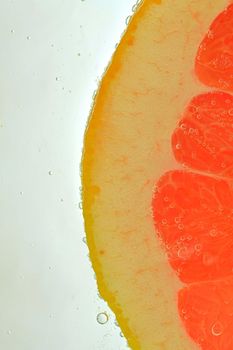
x,y
194,217
214,60
203,139
206,310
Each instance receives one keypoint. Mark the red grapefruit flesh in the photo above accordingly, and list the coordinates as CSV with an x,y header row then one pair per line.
x,y
214,60
203,139
194,217
206,309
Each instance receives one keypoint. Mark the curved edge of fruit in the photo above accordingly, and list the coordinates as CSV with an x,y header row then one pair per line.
x,y
89,191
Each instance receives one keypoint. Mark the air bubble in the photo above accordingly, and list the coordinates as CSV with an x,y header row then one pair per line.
x,y
102,318
127,20
164,221
28,37
177,219
183,126
178,146
121,334
99,296
210,34
182,252
213,233
191,131
197,247
80,205
180,226
50,172
213,102
84,240
217,329
166,199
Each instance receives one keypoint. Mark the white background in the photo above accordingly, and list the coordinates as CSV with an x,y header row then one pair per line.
x,y
53,52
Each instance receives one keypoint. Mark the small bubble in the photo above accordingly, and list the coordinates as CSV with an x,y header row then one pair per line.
x,y
12,31
166,199
80,205
180,226
189,237
197,247
223,165
183,311
210,34
134,8
79,54
62,200
84,240
182,252
28,37
9,332
102,318
121,334
213,233
164,221
178,146
50,173
94,94
217,329
99,296
213,102
177,219
21,193
127,20
57,78
183,126
116,323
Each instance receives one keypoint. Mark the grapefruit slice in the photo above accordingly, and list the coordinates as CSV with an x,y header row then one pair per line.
x,y
126,149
